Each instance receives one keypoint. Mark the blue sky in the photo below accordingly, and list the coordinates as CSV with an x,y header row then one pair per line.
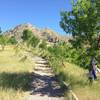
x,y
40,13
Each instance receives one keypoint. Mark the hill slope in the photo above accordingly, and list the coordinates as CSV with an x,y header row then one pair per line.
x,y
45,33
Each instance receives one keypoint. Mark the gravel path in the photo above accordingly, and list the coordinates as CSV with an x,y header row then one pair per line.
x,y
44,83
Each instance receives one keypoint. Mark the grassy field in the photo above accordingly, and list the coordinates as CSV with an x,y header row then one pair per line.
x,y
77,77
14,75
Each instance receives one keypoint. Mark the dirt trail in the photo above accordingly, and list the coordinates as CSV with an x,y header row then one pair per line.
x,y
44,83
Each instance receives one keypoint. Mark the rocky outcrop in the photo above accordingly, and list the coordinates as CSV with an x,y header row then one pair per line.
x,y
18,30
45,33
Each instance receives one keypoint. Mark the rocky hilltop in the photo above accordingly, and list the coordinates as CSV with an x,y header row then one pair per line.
x,y
45,33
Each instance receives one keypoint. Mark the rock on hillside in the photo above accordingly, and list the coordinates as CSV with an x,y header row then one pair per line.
x,y
45,33
18,30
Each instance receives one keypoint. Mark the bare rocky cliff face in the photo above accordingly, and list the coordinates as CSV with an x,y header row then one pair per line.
x,y
45,33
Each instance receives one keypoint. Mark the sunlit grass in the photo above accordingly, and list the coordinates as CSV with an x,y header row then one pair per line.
x,y
78,79
10,94
14,75
75,74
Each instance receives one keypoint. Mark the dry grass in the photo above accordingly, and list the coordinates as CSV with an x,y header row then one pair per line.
x,y
14,75
77,77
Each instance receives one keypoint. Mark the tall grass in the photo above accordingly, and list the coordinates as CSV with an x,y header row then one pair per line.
x,y
15,76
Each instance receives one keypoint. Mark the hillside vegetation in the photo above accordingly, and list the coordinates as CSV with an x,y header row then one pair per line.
x,y
44,33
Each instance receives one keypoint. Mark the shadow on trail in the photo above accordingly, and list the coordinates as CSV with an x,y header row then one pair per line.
x,y
46,85
15,81
43,85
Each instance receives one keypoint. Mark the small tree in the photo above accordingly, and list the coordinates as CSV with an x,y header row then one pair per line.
x,y
12,40
3,41
43,45
27,34
33,41
30,38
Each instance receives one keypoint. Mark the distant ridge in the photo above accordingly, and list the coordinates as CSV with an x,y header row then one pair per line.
x,y
40,33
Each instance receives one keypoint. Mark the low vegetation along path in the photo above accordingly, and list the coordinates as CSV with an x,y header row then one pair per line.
x,y
44,84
